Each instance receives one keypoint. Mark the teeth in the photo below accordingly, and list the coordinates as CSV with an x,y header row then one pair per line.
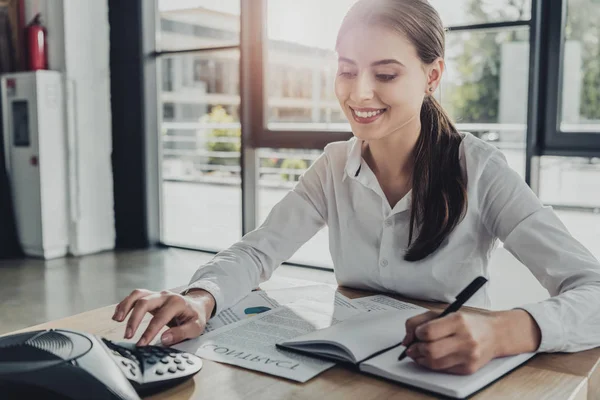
x,y
369,114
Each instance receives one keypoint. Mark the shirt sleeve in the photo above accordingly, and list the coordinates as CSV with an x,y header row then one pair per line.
x,y
236,271
570,320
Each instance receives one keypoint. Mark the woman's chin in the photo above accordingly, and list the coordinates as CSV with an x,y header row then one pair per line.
x,y
366,134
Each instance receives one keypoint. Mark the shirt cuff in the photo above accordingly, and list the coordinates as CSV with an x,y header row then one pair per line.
x,y
211,288
550,327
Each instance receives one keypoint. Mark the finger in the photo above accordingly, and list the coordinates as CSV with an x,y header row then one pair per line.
x,y
445,363
141,307
123,308
413,322
162,317
436,350
439,328
189,330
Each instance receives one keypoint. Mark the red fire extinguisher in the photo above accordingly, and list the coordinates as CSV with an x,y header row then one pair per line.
x,y
36,38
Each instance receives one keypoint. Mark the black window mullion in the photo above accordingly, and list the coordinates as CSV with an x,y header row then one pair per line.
x,y
307,140
537,88
557,141
489,26
312,139
193,51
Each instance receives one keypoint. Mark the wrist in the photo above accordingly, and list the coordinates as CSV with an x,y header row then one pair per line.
x,y
203,300
516,333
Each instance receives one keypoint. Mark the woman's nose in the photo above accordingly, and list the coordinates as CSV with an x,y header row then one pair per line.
x,y
362,88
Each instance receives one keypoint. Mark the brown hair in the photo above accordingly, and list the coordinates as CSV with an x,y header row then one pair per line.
x,y
439,199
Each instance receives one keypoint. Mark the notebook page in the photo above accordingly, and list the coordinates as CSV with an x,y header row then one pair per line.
x,y
363,334
407,371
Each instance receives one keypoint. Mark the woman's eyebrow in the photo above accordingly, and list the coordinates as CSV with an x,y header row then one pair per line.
x,y
373,64
387,61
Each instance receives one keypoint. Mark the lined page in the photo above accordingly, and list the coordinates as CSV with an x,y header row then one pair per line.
x,y
364,334
407,371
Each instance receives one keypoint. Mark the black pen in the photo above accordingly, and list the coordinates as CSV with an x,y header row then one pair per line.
x,y
460,300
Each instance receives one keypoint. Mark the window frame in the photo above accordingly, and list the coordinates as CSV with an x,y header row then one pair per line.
x,y
556,141
543,134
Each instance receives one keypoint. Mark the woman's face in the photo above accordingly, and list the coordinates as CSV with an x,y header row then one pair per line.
x,y
381,81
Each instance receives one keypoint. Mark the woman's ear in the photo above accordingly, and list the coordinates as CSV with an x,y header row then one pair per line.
x,y
435,70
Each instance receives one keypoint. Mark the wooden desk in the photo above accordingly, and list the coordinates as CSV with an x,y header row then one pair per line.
x,y
546,376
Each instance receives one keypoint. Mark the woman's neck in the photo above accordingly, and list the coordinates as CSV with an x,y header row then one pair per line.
x,y
391,157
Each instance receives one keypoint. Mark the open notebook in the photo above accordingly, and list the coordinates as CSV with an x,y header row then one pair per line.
x,y
358,338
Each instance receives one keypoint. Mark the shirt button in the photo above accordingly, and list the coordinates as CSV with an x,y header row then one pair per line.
x,y
388,223
384,263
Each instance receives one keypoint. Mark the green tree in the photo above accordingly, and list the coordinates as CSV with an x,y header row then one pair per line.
x,y
219,115
476,97
583,26
293,163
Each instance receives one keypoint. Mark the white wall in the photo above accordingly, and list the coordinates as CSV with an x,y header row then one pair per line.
x,y
78,46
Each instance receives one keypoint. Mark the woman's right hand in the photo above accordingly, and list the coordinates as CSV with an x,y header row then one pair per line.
x,y
186,316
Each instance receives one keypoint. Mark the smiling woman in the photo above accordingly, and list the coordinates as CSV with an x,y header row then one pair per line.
x,y
390,63
412,206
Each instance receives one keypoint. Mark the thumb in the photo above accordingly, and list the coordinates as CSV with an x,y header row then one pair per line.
x,y
180,333
414,322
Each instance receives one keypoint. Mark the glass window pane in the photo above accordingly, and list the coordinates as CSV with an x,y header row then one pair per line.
x,y
279,172
581,68
467,12
570,181
301,64
200,135
485,88
196,24
572,186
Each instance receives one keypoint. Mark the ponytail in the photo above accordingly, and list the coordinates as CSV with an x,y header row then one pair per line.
x,y
439,199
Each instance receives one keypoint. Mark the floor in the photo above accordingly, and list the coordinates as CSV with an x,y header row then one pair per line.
x,y
35,291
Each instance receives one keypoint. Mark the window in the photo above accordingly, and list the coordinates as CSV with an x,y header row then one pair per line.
x,y
197,24
279,171
485,88
571,185
570,181
302,64
201,150
468,12
580,109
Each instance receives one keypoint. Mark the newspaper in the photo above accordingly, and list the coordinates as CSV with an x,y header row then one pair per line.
x,y
255,303
250,343
317,293
259,301
381,302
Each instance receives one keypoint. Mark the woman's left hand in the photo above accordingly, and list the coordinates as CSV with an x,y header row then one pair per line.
x,y
458,343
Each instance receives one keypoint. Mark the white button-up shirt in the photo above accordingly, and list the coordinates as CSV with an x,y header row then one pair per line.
x,y
368,239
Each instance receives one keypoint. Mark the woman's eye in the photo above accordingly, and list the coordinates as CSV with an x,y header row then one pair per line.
x,y
346,74
385,78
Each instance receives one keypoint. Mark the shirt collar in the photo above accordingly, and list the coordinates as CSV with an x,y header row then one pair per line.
x,y
354,161
353,169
